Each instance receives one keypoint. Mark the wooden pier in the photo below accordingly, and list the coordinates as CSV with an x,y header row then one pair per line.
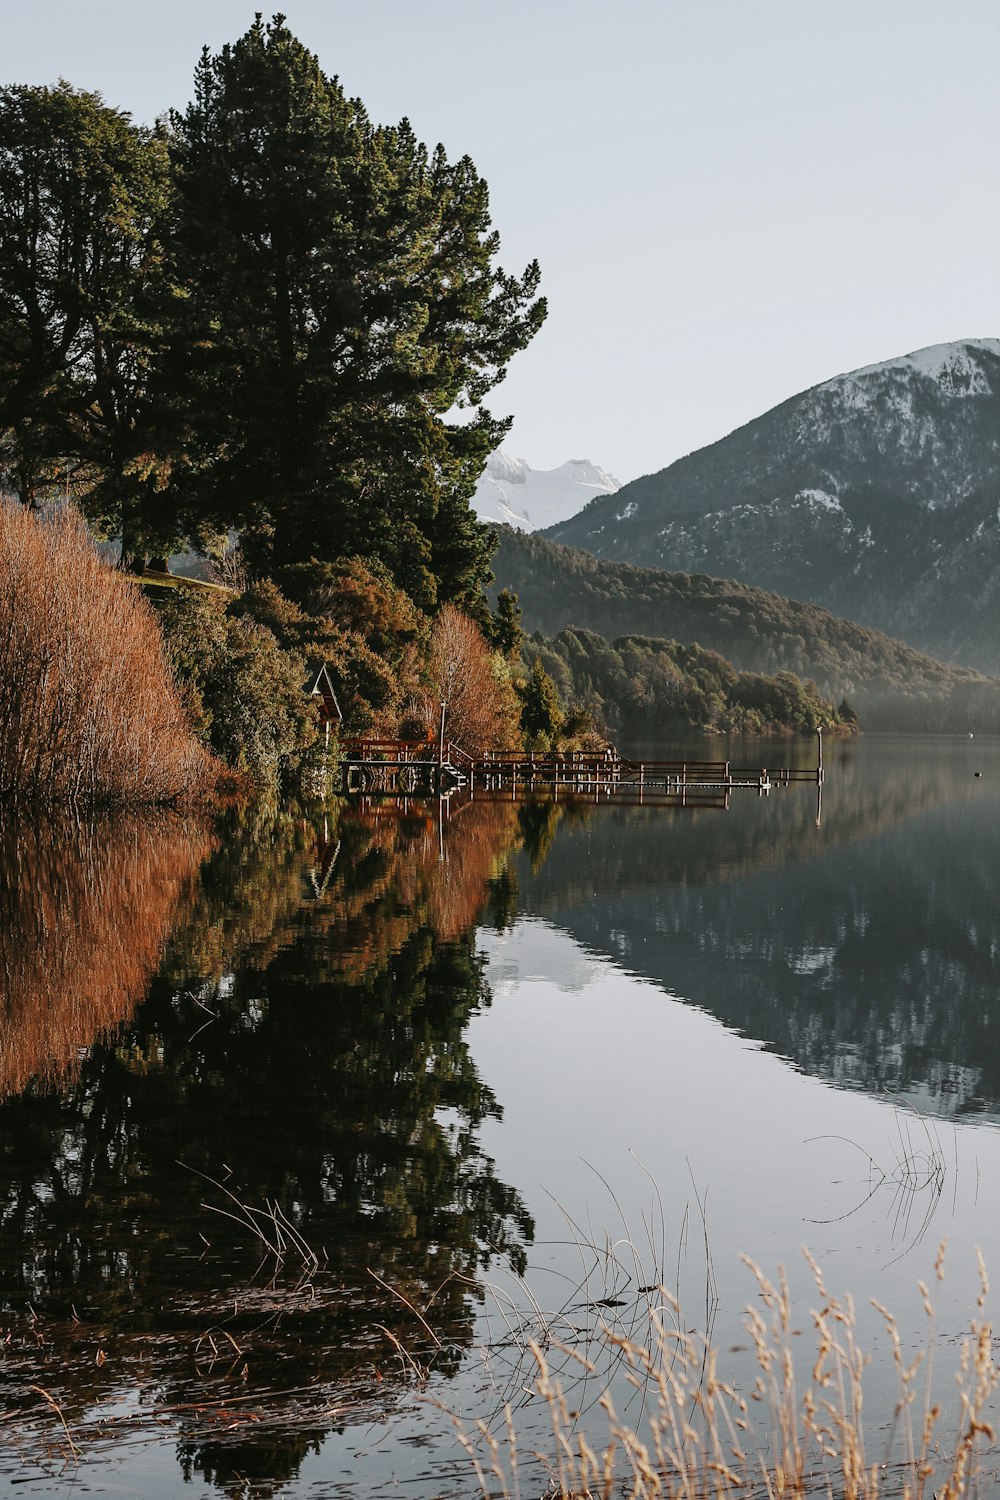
x,y
407,768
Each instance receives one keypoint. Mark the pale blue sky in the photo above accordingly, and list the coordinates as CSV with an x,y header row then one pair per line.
x,y
730,199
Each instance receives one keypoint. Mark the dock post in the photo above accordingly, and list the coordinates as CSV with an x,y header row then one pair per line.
x,y
819,756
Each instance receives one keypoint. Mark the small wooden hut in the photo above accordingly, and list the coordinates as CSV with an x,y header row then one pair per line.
x,y
319,684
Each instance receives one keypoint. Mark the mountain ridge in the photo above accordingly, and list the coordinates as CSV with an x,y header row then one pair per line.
x,y
875,494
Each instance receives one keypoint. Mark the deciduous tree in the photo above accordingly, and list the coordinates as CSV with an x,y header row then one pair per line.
x,y
82,197
479,702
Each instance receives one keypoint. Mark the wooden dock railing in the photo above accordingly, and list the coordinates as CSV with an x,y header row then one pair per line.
x,y
402,767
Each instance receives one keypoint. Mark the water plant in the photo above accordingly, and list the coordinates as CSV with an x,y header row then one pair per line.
x,y
786,1429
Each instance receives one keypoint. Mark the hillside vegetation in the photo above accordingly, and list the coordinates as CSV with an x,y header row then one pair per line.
x,y
638,683
873,494
891,685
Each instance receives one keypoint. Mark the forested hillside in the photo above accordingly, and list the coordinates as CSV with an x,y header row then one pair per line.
x,y
641,685
891,685
874,494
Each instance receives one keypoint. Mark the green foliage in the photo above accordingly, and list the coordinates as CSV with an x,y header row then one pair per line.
x,y
505,632
638,683
82,292
260,317
540,710
341,297
244,691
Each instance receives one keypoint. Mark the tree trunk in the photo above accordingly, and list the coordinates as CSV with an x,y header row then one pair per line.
x,y
133,558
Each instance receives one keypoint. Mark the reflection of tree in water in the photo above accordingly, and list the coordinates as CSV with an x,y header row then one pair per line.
x,y
85,909
310,1052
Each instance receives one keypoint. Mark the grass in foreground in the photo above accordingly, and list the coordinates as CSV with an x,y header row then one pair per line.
x,y
697,1436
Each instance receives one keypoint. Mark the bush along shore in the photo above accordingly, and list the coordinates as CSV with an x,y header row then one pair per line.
x,y
89,711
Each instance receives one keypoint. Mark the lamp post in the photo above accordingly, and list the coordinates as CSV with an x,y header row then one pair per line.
x,y
444,708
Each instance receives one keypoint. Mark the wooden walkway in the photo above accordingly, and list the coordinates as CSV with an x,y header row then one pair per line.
x,y
406,768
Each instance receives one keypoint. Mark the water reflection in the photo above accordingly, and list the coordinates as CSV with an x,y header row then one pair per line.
x,y
867,951
274,1017
302,1046
85,910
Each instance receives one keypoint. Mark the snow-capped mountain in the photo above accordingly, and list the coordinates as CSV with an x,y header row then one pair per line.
x,y
876,494
516,495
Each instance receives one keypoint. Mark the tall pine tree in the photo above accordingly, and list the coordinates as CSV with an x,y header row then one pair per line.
x,y
341,303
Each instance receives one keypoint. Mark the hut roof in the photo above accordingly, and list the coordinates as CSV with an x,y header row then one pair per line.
x,y
319,684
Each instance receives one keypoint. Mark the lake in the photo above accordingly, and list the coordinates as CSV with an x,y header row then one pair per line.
x,y
312,1117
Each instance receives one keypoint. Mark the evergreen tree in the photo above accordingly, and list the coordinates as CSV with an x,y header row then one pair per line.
x,y
506,633
540,712
341,299
82,195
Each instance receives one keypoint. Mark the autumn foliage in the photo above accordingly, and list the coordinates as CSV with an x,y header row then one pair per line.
x,y
88,709
84,914
481,712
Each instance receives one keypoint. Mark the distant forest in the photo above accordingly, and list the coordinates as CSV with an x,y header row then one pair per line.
x,y
640,684
891,685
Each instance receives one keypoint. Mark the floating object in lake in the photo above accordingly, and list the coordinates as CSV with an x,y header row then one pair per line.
x,y
971,735
977,773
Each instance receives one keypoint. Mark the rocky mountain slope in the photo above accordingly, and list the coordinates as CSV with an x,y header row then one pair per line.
x,y
876,494
512,493
893,686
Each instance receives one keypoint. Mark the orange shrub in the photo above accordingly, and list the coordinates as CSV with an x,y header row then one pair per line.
x,y
482,712
88,708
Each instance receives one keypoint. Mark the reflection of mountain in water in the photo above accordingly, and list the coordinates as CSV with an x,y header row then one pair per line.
x,y
867,952
303,1045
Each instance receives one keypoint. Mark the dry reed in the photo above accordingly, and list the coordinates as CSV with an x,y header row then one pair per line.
x,y
789,1433
88,710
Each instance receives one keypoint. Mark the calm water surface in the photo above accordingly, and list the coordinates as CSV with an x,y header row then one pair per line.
x,y
272,1090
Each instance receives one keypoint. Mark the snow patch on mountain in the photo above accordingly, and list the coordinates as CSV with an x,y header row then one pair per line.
x,y
820,498
514,494
954,368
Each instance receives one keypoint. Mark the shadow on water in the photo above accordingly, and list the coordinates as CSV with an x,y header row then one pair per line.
x,y
280,1031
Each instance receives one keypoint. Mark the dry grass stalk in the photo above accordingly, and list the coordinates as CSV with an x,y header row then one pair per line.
x,y
698,1437
270,1227
54,1404
88,709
